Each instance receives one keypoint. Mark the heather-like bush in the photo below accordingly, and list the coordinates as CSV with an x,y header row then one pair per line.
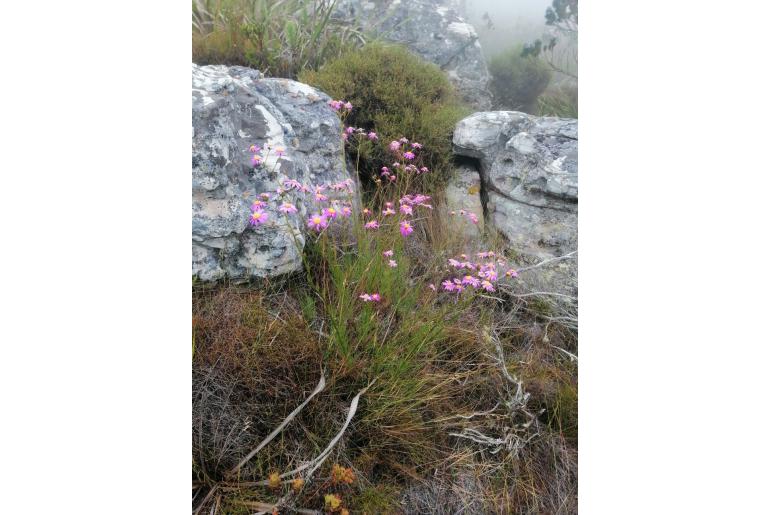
x,y
517,81
398,95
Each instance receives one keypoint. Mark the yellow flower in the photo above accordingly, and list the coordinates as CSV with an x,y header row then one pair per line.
x,y
297,484
332,502
341,474
274,480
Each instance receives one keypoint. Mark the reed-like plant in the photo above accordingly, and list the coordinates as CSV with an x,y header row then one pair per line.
x,y
278,37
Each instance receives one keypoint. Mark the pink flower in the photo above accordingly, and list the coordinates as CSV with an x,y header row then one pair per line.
x,y
258,217
372,225
511,273
392,263
473,218
408,155
317,222
416,145
335,104
320,197
348,106
406,228
488,273
432,286
374,297
394,146
254,149
258,204
405,209
388,212
265,196
256,160
330,213
385,170
291,184
349,130
367,212
404,140
287,208
487,286
346,211
372,136
279,151
388,253
424,169
470,280
448,285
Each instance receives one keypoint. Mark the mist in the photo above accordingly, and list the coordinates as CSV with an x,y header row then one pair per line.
x,y
505,23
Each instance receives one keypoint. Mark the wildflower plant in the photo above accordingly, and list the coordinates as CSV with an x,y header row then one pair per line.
x,y
385,314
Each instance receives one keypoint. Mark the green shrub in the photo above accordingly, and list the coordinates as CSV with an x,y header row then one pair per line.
x,y
562,101
278,37
517,81
396,94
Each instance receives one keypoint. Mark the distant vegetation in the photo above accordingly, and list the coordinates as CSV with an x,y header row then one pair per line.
x,y
518,81
560,101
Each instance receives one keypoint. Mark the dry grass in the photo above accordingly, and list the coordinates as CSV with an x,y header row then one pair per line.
x,y
259,350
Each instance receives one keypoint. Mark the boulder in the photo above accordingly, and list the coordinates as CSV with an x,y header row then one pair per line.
x,y
529,185
232,109
433,30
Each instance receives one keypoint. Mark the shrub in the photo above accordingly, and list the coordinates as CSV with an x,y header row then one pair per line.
x,y
517,81
400,95
277,37
562,101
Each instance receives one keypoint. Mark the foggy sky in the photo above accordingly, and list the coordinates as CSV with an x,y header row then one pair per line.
x,y
515,21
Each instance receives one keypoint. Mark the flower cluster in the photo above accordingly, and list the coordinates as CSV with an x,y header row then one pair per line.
x,y
340,105
331,201
480,274
359,133
342,474
259,154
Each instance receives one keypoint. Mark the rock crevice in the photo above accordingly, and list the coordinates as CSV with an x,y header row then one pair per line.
x,y
527,167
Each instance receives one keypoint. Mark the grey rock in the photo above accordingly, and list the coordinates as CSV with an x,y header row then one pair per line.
x,y
233,108
433,30
463,196
529,179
